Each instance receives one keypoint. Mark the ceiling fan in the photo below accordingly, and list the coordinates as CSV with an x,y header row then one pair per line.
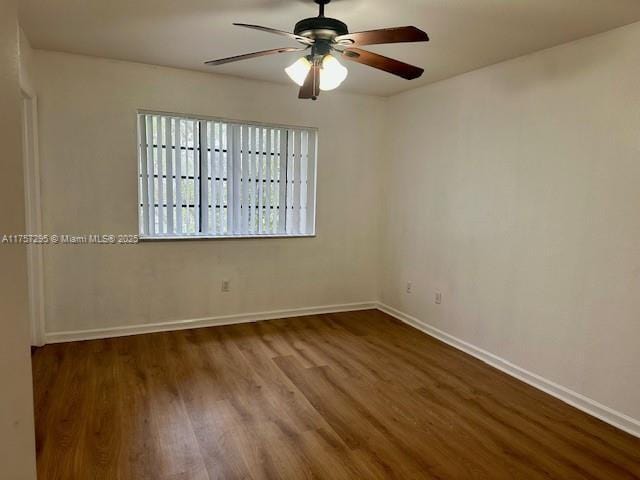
x,y
319,69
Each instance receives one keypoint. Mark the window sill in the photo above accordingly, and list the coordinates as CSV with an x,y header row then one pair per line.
x,y
225,237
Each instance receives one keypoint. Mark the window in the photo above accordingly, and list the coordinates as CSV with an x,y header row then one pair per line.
x,y
205,177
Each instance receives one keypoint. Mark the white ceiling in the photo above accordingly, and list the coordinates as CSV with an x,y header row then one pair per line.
x,y
465,34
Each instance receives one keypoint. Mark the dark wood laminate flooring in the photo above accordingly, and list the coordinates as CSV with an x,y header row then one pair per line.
x,y
339,396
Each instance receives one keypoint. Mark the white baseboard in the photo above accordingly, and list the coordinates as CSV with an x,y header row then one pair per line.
x,y
587,405
77,335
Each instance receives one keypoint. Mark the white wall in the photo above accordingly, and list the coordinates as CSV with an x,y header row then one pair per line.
x,y
515,191
17,450
88,168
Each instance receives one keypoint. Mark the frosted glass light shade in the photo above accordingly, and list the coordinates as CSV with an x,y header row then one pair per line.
x,y
298,71
332,73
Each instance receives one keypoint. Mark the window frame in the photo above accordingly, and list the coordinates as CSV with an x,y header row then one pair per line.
x,y
200,236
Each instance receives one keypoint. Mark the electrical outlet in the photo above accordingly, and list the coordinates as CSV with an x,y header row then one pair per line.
x,y
438,298
226,286
409,287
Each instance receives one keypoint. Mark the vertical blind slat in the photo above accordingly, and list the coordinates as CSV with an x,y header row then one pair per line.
x,y
153,186
230,200
282,186
304,162
290,173
170,153
204,177
214,139
257,183
179,184
296,180
150,190
265,181
188,180
158,173
189,192
142,177
269,178
163,207
244,212
195,165
252,179
237,198
311,183
219,174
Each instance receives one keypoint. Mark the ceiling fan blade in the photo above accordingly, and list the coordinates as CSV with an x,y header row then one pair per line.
x,y
380,62
384,35
292,36
246,56
311,86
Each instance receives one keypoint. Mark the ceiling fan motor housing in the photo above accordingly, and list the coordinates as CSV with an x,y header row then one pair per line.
x,y
323,28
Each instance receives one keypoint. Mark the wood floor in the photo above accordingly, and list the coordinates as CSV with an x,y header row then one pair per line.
x,y
340,396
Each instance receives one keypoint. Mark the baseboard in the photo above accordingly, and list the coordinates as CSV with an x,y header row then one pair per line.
x,y
587,405
121,331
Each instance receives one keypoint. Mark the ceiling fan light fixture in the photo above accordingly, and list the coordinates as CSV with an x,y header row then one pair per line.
x,y
332,73
319,70
298,70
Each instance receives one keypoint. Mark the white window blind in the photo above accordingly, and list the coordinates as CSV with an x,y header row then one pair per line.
x,y
204,177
